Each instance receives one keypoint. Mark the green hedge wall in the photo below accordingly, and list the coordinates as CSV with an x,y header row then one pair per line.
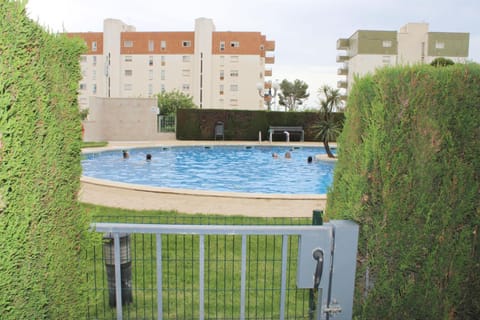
x,y
41,226
199,124
409,174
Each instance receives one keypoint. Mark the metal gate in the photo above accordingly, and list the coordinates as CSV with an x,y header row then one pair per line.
x,y
319,261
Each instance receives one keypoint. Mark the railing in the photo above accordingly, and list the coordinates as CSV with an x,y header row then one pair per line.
x,y
166,123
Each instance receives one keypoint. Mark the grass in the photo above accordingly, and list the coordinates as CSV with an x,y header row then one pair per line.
x,y
180,258
93,144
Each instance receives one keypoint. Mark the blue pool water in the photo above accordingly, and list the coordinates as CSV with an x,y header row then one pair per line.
x,y
249,169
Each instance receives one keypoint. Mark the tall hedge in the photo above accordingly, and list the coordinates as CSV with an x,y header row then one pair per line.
x,y
41,226
199,124
409,173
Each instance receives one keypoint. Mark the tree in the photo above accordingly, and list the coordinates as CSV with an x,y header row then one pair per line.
x,y
442,62
293,94
327,128
169,102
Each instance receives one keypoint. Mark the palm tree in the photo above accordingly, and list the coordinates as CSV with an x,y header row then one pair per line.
x,y
327,128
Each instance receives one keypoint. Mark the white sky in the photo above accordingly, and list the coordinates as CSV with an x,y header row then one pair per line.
x,y
305,31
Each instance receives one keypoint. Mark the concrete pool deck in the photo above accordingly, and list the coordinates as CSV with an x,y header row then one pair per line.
x,y
135,197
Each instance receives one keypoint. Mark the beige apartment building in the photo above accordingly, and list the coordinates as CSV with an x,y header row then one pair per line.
x,y
367,50
218,69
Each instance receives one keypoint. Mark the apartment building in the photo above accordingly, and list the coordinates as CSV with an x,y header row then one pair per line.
x,y
218,69
367,50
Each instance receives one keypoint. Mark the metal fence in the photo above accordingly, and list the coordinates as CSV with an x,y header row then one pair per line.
x,y
166,123
203,268
224,256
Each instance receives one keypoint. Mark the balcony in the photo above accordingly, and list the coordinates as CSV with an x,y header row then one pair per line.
x,y
268,73
343,44
269,60
342,84
269,45
342,58
342,71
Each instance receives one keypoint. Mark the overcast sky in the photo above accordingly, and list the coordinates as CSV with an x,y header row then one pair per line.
x,y
305,31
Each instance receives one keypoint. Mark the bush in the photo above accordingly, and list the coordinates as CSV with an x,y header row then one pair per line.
x,y
41,225
409,174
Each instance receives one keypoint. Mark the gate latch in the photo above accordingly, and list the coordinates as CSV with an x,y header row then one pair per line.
x,y
333,308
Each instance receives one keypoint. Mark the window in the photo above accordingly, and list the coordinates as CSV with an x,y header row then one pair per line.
x,y
222,75
186,43
94,61
128,43
94,46
387,43
385,60
234,87
162,87
221,90
185,87
150,89
233,73
127,87
94,74
162,75
222,45
128,58
150,74
439,45
233,102
94,88
163,44
222,60
234,44
151,45
150,60
128,73
162,60
234,59
186,58
83,86
186,72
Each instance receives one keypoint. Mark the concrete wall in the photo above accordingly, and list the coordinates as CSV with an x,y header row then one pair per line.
x,y
123,119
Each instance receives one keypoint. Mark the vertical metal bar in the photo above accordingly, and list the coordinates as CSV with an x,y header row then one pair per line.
x,y
243,277
319,304
159,277
284,276
201,275
118,279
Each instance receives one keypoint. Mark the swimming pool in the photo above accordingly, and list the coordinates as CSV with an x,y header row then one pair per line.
x,y
250,169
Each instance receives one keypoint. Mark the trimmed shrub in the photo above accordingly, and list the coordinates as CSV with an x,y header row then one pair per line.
x,y
42,228
409,174
199,124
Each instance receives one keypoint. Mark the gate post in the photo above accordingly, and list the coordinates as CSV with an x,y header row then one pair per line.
x,y
317,220
317,217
